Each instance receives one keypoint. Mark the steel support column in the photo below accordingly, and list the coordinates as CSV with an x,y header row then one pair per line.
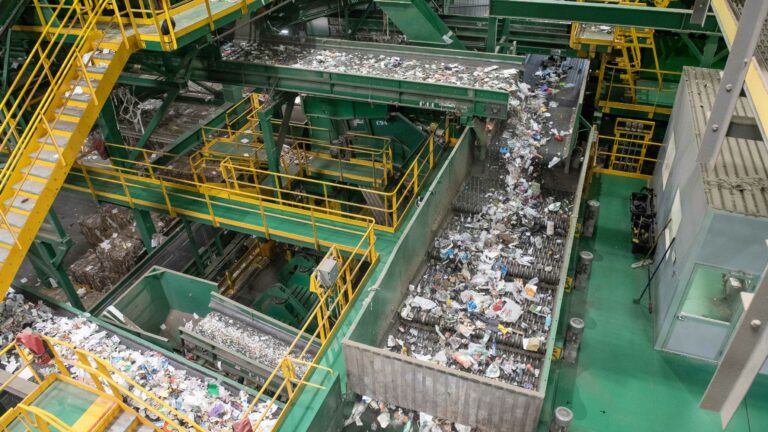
x,y
108,125
490,40
145,226
266,114
745,355
46,254
708,54
700,9
742,52
191,236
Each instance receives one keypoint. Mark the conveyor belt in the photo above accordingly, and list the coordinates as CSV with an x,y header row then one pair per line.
x,y
119,340
290,69
253,362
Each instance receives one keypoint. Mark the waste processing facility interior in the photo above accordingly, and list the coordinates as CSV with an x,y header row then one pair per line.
x,y
384,215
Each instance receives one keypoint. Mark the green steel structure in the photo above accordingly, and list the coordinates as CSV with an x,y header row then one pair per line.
x,y
502,36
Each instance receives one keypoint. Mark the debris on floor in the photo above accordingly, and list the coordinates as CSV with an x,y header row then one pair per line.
x,y
372,415
484,303
117,244
202,399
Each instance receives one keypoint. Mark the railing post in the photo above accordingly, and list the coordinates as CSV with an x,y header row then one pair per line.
x,y
167,198
264,219
27,363
431,151
415,176
210,209
210,16
289,374
91,189
83,359
105,372
314,229
121,176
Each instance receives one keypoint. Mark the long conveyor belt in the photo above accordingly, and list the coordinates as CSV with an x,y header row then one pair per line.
x,y
241,342
468,83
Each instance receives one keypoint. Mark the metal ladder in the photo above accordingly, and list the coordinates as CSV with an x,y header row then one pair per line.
x,y
47,114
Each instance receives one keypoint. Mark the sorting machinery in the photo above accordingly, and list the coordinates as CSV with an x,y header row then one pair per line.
x,y
349,149
166,307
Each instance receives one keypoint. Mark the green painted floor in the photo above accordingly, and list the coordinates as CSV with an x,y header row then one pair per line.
x,y
620,382
65,401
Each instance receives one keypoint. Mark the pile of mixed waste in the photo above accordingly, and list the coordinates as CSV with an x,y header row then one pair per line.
x,y
485,301
205,401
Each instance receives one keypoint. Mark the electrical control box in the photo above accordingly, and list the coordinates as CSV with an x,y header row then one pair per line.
x,y
328,271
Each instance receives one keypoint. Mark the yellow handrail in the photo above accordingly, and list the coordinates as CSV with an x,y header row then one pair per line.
x,y
239,189
332,306
44,415
52,94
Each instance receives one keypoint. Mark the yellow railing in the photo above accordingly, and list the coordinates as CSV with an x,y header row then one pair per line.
x,y
237,119
626,126
211,201
614,92
105,379
36,72
625,157
241,141
159,21
244,146
354,269
387,208
35,418
332,306
243,183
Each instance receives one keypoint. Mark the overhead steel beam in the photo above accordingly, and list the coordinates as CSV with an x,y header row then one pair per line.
x,y
601,13
744,356
742,51
700,9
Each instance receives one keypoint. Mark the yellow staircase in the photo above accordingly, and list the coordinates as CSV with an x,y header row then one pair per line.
x,y
60,101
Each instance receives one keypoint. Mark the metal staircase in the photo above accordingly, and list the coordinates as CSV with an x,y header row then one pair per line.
x,y
49,111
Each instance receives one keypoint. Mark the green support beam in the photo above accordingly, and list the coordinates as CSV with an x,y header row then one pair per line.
x,y
465,101
39,255
490,40
47,258
603,13
145,226
191,236
266,113
107,122
170,97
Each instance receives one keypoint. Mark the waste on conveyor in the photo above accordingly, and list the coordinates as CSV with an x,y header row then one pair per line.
x,y
248,341
206,401
423,69
484,303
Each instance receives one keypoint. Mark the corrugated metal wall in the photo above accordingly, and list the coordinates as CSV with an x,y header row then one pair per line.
x,y
457,396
